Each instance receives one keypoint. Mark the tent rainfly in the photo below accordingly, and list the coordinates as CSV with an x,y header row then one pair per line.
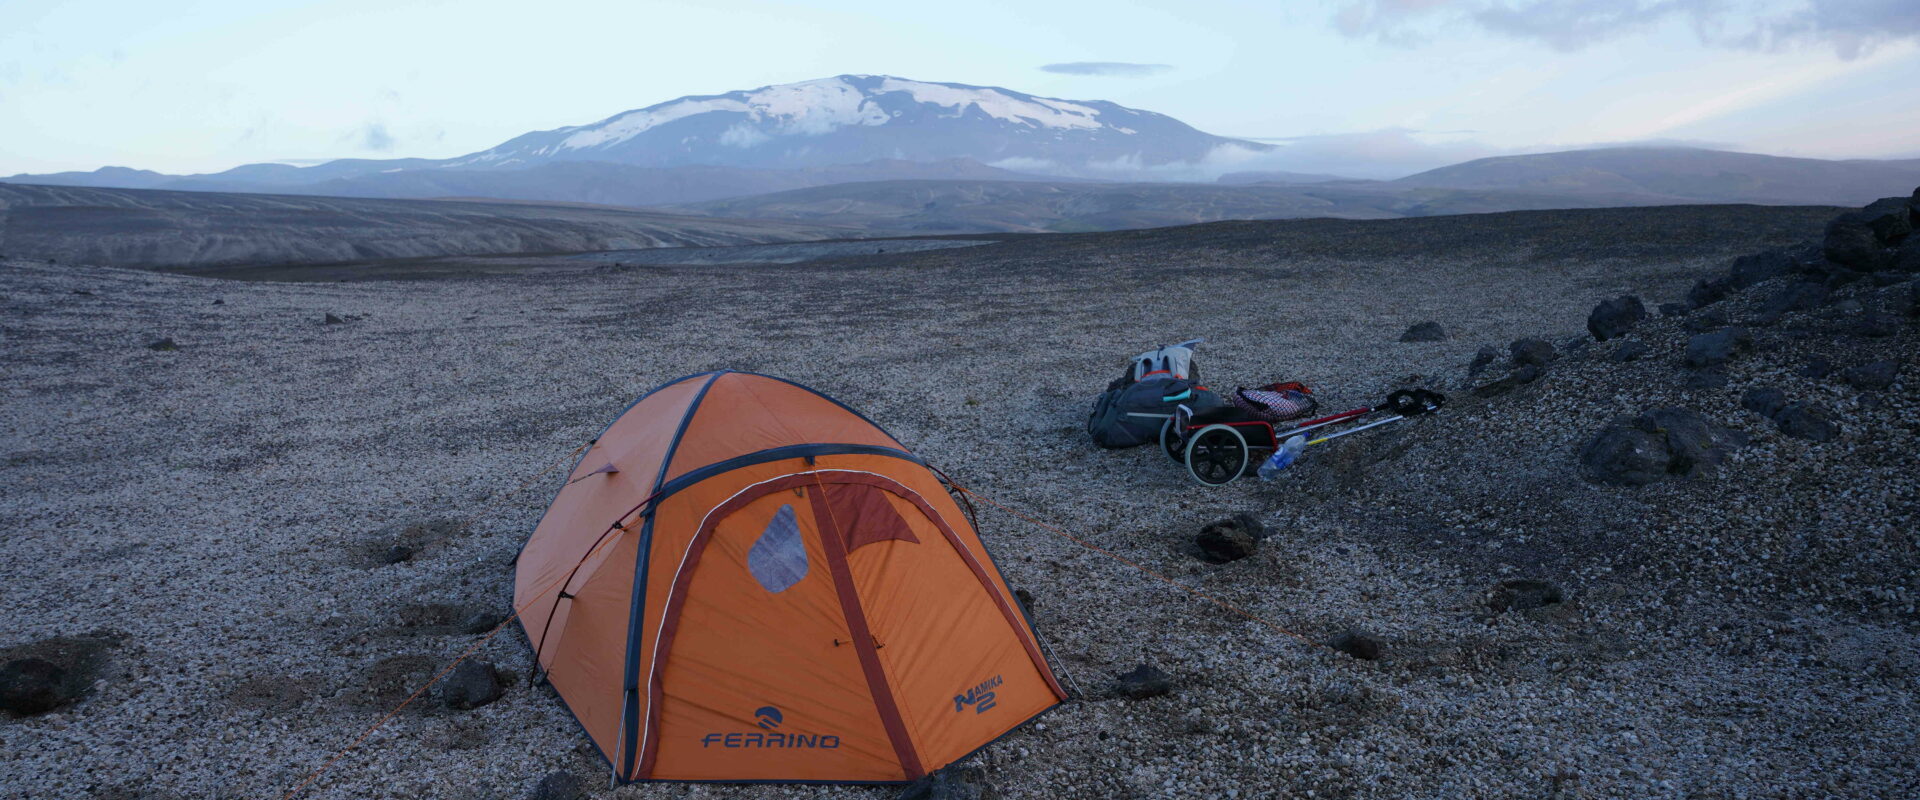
x,y
745,580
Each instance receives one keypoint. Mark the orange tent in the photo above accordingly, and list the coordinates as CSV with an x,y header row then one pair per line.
x,y
744,580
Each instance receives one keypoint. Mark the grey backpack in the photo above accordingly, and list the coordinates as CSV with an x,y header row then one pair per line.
x,y
1131,415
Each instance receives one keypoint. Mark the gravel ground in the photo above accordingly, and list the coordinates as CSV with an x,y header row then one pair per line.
x,y
218,512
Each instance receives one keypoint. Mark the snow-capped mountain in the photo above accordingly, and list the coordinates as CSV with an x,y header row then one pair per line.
x,y
852,119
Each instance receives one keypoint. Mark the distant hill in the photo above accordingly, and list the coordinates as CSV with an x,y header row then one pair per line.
x,y
1680,175
144,228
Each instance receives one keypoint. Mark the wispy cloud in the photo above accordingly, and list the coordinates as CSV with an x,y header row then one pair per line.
x,y
375,137
1106,69
1852,28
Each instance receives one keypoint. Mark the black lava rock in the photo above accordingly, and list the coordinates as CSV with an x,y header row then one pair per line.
x,y
471,685
1625,455
1708,291
1714,349
1817,367
332,320
1425,332
163,345
1799,296
397,554
1537,352
1704,380
1654,445
1629,351
1229,539
1711,319
1481,359
1850,241
1695,446
1527,373
1873,377
1889,219
1524,595
482,622
1142,682
1907,257
1615,317
1674,309
952,783
34,686
1359,644
1765,401
1751,269
559,786
1806,422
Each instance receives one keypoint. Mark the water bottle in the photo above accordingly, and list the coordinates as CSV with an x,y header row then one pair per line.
x,y
1283,457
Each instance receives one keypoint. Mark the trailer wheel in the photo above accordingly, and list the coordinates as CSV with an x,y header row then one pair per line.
x,y
1216,455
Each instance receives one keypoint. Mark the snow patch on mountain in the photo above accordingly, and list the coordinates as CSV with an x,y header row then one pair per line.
x,y
1033,112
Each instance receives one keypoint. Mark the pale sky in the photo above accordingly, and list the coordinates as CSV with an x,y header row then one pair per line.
x,y
203,85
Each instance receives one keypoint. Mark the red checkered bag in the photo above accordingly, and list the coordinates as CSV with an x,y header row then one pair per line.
x,y
1276,402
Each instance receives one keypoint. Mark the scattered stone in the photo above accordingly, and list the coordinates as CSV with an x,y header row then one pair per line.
x,y
219,301
1711,319
1799,296
332,320
1523,595
1806,422
1765,401
1751,269
33,686
1629,351
1425,332
1615,317
1142,682
1850,240
1482,359
1700,380
952,783
471,685
1708,291
163,345
1524,375
1873,377
1359,644
482,622
1714,349
396,554
559,786
1674,309
1817,367
1537,352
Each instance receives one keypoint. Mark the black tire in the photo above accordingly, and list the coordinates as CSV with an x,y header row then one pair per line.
x,y
1216,455
1174,450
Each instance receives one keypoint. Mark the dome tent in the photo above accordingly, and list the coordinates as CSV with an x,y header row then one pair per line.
x,y
744,580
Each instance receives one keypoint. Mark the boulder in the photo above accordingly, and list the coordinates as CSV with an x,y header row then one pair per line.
x,y
1711,319
559,786
470,685
1359,644
1425,332
1713,349
1523,595
1537,352
1765,401
1527,373
1142,682
1751,269
1806,422
1797,296
1907,257
1615,317
1850,241
1695,446
1230,539
33,686
1482,359
1629,351
1873,377
1708,291
1654,445
1889,219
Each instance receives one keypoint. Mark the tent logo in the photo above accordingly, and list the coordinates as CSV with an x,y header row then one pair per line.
x,y
769,718
980,697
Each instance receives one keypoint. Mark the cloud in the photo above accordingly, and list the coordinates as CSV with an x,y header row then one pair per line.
x,y
1106,69
1852,28
375,137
